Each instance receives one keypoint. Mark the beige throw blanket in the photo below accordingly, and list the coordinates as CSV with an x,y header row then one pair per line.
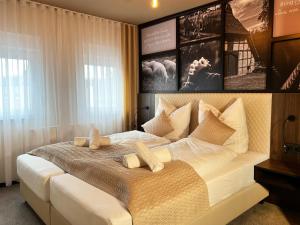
x,y
174,196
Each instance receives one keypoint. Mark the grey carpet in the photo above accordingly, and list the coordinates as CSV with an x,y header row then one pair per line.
x,y
14,211
267,214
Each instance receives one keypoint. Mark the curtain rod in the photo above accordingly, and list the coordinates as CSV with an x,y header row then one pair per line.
x,y
74,12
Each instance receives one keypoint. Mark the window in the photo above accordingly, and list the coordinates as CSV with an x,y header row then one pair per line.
x,y
13,86
238,55
103,88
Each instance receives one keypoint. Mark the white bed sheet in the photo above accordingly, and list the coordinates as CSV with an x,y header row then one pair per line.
x,y
36,173
223,171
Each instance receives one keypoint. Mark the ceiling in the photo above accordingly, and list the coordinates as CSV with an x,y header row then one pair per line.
x,y
129,11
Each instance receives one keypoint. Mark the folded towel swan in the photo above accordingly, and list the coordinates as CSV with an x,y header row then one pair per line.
x,y
94,141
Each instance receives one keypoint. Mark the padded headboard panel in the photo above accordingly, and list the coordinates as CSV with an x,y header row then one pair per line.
x,y
258,109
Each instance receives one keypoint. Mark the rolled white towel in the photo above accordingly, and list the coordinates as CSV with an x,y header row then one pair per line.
x,y
132,160
150,159
163,154
104,141
81,141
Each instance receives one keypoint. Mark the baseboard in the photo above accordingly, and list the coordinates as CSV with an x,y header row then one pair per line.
x,y
2,185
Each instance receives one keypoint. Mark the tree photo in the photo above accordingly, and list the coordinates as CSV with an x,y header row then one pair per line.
x,y
201,25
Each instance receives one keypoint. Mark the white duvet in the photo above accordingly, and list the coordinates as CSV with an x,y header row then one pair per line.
x,y
131,137
202,156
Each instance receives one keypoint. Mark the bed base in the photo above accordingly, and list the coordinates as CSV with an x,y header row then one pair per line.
x,y
232,207
220,214
57,218
39,206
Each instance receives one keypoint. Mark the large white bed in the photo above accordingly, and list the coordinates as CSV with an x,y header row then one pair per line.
x,y
60,198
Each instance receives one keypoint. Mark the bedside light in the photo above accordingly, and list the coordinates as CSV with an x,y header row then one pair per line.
x,y
286,146
154,4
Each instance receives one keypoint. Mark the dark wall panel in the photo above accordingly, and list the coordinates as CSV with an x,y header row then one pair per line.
x,y
285,104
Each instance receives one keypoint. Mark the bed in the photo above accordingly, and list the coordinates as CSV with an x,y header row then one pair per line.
x,y
81,202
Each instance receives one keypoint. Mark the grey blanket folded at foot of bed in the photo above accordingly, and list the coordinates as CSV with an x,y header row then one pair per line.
x,y
174,196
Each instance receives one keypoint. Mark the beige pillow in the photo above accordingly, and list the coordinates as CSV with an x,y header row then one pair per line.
x,y
159,125
212,130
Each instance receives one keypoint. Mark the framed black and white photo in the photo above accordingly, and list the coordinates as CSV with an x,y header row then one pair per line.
x,y
159,37
247,45
201,67
159,73
286,66
201,24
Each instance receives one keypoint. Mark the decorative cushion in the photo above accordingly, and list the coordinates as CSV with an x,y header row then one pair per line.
x,y
159,125
233,115
212,130
180,121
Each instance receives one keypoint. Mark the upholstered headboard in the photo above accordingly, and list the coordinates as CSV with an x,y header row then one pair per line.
x,y
257,106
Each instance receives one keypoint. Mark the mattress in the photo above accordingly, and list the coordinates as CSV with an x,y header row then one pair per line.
x,y
36,172
223,171
231,178
82,202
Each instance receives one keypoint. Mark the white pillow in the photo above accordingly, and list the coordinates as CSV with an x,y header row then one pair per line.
x,y
235,117
203,108
180,121
163,105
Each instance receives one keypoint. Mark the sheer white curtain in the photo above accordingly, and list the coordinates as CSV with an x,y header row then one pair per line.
x,y
95,75
60,72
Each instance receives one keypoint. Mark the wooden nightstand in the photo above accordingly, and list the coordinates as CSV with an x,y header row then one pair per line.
x,y
282,180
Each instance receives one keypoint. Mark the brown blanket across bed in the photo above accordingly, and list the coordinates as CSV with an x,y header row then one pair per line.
x,y
174,196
